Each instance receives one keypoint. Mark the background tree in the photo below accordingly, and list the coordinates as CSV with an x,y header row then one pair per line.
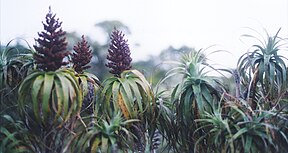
x,y
15,63
155,67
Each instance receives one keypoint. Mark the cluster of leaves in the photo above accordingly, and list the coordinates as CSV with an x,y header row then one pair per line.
x,y
67,109
54,99
209,119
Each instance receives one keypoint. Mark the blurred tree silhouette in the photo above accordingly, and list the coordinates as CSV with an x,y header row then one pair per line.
x,y
108,26
155,67
15,63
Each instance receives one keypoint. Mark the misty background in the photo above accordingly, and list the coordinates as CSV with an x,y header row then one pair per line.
x,y
157,31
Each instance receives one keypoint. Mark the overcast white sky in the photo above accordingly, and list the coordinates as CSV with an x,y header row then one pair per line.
x,y
155,24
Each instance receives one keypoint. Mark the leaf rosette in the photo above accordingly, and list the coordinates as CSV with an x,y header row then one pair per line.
x,y
53,96
130,93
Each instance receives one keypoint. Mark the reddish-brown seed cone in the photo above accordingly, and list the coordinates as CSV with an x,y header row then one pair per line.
x,y
52,46
82,56
118,54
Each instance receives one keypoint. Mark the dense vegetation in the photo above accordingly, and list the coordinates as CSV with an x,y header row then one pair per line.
x,y
50,102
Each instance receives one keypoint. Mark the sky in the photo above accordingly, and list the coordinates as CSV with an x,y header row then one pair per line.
x,y
155,24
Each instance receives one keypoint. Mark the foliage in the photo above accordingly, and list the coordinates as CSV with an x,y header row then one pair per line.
x,y
155,67
130,93
15,63
13,136
196,94
89,86
53,96
50,97
244,130
104,136
89,83
263,67
68,109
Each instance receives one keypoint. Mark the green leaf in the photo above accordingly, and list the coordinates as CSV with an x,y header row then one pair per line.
x,y
127,103
107,94
74,102
115,92
188,107
125,86
108,83
176,92
248,144
37,97
145,85
198,96
271,72
65,89
24,89
208,98
84,85
46,93
261,71
137,93
239,133
75,94
60,97
69,74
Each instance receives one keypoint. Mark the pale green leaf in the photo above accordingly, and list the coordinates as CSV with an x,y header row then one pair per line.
x,y
65,96
46,93
137,93
37,96
60,97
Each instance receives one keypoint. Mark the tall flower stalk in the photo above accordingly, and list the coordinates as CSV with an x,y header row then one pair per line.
x,y
52,45
89,83
128,91
53,91
82,56
119,54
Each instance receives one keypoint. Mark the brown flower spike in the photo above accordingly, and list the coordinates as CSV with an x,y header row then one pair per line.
x,y
119,54
52,45
82,56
